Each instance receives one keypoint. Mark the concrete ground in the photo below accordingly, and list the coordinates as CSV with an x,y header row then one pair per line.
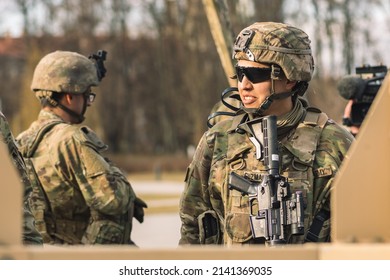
x,y
161,226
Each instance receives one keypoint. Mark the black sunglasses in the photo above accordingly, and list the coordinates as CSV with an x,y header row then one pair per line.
x,y
254,74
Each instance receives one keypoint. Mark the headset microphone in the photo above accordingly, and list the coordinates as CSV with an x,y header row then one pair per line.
x,y
351,87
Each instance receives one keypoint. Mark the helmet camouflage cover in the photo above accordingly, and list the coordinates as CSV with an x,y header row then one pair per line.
x,y
63,71
277,43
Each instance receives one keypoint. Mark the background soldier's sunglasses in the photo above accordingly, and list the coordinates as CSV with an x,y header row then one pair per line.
x,y
254,74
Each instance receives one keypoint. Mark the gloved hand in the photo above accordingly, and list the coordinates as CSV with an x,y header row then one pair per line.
x,y
139,206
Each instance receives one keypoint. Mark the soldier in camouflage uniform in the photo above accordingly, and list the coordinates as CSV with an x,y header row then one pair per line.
x,y
82,197
274,66
31,236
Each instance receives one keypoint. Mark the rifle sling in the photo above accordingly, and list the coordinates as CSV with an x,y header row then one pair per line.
x,y
316,226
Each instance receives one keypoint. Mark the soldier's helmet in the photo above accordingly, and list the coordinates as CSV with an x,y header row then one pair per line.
x,y
277,43
64,71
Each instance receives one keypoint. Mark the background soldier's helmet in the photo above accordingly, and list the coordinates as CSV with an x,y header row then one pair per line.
x,y
63,71
277,43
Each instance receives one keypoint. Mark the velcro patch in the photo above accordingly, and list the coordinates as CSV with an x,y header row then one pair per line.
x,y
323,172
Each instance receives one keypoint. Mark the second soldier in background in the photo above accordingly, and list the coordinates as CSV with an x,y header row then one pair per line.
x,y
82,198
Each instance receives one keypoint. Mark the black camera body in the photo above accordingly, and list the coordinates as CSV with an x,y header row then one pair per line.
x,y
362,89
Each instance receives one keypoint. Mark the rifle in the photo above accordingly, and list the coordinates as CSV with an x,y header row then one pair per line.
x,y
278,208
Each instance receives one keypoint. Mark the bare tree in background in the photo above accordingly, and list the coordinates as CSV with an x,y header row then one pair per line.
x,y
25,6
117,100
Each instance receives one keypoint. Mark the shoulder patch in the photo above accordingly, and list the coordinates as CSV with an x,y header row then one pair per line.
x,y
88,137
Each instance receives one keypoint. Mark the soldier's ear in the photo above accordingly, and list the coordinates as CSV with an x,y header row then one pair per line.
x,y
290,84
68,97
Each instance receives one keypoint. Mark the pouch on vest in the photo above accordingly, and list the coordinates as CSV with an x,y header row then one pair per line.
x,y
68,231
103,232
209,232
39,204
237,221
237,212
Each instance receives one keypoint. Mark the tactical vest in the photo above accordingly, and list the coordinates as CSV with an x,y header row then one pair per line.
x,y
303,145
53,230
298,152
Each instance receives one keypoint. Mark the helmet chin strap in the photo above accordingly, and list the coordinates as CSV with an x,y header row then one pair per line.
x,y
79,117
269,99
275,75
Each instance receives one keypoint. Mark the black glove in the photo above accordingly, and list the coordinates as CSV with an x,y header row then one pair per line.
x,y
139,206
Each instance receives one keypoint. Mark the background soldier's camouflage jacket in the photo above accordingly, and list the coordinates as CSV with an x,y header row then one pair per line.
x,y
88,199
311,149
30,233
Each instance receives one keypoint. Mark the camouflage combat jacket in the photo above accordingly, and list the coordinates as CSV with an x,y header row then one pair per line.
x,y
310,151
82,198
30,233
